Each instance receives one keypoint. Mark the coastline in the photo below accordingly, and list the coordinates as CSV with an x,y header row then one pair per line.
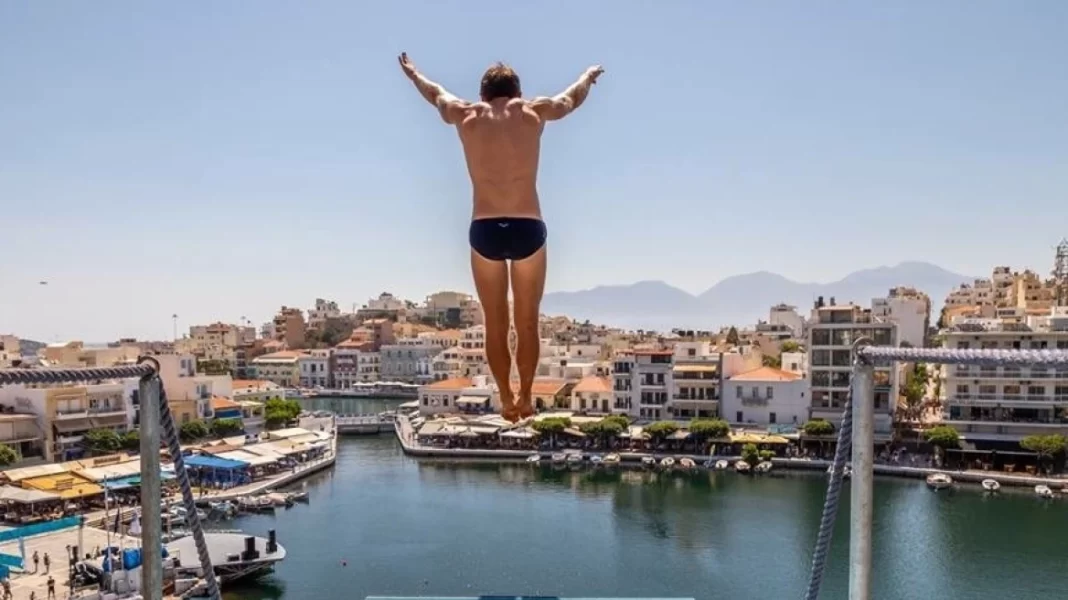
x,y
402,430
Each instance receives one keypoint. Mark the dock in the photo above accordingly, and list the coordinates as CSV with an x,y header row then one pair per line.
x,y
233,555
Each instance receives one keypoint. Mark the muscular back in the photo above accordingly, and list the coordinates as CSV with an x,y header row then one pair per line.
x,y
502,142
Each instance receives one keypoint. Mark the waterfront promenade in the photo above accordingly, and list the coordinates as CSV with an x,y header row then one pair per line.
x,y
410,443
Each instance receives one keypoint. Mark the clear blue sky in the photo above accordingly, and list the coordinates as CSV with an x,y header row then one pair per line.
x,y
224,160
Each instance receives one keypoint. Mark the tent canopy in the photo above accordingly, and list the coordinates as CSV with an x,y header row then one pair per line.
x,y
11,493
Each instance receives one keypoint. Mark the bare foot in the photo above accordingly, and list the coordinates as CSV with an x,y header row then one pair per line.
x,y
525,408
509,410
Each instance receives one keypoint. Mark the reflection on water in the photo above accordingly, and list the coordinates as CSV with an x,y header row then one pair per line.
x,y
450,528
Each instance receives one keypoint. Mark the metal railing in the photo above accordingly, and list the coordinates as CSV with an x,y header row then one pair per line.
x,y
857,435
157,425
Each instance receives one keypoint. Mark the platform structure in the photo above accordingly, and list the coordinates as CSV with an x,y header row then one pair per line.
x,y
227,556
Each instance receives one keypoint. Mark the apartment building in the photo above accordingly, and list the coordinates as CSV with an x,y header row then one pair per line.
x,y
289,328
282,368
322,311
833,329
910,310
77,354
409,361
787,316
989,404
10,352
592,395
189,393
354,362
217,341
448,364
314,368
643,381
766,396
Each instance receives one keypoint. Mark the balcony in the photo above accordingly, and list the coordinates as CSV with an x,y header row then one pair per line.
x,y
754,401
711,398
71,413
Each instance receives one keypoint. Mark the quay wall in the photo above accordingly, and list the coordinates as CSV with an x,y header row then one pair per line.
x,y
413,448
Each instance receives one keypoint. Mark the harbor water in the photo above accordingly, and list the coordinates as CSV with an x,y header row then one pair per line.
x,y
381,523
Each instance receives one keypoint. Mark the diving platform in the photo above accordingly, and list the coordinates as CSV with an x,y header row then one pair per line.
x,y
234,556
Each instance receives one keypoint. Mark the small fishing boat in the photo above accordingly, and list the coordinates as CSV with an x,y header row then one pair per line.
x,y
667,463
939,481
611,460
533,458
722,465
559,458
763,467
301,496
687,463
1043,491
741,467
596,460
648,461
847,472
574,459
991,485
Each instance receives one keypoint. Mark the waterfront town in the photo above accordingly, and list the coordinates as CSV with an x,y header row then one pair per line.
x,y
767,392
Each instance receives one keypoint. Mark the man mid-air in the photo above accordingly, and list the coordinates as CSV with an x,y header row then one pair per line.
x,y
501,137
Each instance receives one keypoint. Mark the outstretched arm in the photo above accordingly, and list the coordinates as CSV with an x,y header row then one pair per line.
x,y
562,104
452,109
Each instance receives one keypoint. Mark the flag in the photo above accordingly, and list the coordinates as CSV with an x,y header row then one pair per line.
x,y
135,525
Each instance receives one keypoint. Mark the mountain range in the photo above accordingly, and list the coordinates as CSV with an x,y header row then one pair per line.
x,y
741,299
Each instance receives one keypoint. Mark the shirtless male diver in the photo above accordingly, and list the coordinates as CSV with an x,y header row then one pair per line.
x,y
501,137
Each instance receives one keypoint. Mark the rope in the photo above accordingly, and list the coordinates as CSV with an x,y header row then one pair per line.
x,y
53,375
954,356
174,448
830,503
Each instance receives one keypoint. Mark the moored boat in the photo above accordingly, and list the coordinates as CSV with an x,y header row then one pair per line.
x,y
991,485
763,467
611,460
939,481
574,459
687,463
722,465
559,458
1043,491
533,458
667,463
741,467
648,461
596,460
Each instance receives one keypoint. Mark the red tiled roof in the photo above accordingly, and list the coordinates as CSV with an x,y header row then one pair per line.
x,y
766,374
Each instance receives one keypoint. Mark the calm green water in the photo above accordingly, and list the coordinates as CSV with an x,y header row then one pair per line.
x,y
407,527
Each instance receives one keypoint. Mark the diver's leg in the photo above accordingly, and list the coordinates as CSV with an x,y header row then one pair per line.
x,y
528,283
491,283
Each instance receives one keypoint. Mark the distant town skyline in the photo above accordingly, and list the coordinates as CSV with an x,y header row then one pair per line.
x,y
222,163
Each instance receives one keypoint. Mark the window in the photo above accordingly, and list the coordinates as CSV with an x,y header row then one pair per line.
x,y
739,419
771,395
771,417
738,391
756,392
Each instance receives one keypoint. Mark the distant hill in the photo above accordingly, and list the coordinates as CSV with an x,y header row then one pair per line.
x,y
741,299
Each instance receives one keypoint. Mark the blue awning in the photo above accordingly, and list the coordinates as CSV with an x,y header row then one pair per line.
x,y
202,461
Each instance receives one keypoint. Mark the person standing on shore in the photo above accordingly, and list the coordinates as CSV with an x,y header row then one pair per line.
x,y
501,138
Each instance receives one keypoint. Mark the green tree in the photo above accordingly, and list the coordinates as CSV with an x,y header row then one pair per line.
x,y
132,440
226,427
914,391
279,412
772,361
335,331
818,427
660,430
942,437
552,427
790,346
767,454
751,454
705,429
732,336
102,441
193,431
1046,446
214,367
8,456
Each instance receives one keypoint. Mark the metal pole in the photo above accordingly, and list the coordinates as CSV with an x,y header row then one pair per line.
x,y
151,495
860,534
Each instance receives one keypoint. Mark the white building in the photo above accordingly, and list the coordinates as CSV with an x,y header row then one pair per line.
x,y
323,310
832,331
794,362
910,310
592,395
1007,403
385,302
787,316
766,396
183,384
315,368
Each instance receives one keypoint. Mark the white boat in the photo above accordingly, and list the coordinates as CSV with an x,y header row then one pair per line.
x,y
687,463
741,466
1043,491
611,459
648,461
763,467
667,463
596,460
991,485
939,481
301,496
574,459
722,465
533,458
847,472
559,458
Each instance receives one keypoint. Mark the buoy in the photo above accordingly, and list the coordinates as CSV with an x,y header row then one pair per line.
x,y
344,563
